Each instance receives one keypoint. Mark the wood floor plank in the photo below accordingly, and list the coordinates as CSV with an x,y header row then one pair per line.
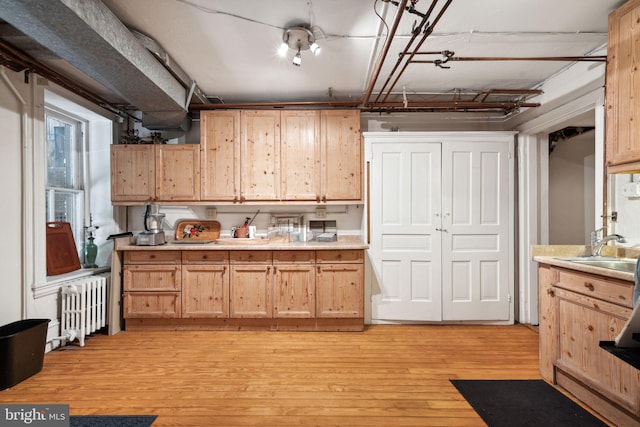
x,y
388,375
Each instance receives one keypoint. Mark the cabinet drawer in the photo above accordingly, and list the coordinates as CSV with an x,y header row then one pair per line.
x,y
205,257
152,257
611,290
245,257
293,257
355,256
152,278
157,305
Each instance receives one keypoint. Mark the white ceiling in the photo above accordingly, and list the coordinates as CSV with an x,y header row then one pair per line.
x,y
229,47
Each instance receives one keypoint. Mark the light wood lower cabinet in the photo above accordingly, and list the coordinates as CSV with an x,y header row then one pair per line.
x,y
250,294
294,284
258,289
152,283
339,290
577,311
205,284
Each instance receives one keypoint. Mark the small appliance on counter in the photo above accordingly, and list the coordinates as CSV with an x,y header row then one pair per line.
x,y
323,231
153,235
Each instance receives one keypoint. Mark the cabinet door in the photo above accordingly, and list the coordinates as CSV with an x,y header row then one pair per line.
x,y
300,160
293,291
220,155
260,155
155,305
205,290
584,322
132,173
340,290
178,172
341,155
250,291
623,89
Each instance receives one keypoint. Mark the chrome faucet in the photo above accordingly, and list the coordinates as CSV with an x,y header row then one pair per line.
x,y
599,245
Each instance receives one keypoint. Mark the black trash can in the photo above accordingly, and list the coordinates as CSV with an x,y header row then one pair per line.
x,y
22,345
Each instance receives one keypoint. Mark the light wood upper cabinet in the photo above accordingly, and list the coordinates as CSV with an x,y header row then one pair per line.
x,y
133,176
178,172
220,155
341,155
300,155
290,155
260,155
623,90
143,173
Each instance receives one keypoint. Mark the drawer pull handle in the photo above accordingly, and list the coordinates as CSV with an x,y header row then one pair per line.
x,y
589,286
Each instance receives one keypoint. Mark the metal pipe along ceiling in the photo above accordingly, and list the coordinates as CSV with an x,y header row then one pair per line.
x,y
427,32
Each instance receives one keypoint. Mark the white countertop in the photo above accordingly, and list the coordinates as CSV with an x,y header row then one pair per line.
x,y
226,244
605,272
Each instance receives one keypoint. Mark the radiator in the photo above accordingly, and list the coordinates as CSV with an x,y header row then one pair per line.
x,y
84,307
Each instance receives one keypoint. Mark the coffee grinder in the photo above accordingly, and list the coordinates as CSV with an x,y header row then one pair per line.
x,y
153,235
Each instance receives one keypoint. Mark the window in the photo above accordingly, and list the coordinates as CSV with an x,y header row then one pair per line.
x,y
65,177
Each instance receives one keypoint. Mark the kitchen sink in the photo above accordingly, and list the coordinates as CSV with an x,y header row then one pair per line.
x,y
619,264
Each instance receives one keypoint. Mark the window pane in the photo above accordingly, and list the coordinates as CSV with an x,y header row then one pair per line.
x,y
62,154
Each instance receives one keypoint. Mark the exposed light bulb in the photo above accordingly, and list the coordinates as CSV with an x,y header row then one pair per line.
x,y
297,60
282,50
315,48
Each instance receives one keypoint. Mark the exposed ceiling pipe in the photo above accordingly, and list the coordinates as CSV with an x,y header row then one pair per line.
x,y
308,104
427,33
86,34
440,62
374,77
409,43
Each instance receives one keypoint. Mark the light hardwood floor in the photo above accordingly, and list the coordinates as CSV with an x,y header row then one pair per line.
x,y
388,375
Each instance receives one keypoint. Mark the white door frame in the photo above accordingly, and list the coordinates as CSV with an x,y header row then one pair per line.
x,y
533,187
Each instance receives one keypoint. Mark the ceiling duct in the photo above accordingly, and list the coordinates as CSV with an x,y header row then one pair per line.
x,y
86,34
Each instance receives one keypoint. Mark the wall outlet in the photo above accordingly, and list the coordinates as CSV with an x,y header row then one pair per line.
x,y
631,189
211,213
321,212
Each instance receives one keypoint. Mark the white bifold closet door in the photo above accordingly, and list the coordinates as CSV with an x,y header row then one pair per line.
x,y
440,231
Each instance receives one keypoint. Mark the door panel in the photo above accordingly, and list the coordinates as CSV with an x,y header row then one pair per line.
x,y
475,243
405,246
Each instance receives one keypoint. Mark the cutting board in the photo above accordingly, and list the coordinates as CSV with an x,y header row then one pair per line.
x,y
190,229
62,255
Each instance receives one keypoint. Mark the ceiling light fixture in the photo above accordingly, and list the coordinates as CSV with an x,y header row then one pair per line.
x,y
298,39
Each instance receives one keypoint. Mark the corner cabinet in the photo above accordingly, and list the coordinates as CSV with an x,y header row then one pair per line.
x,y
145,173
577,311
622,115
272,156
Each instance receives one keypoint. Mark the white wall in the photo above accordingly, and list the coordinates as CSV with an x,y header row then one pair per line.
x,y
571,191
25,290
12,105
628,209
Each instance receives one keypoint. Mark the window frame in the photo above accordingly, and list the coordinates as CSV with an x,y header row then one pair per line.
x,y
79,192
